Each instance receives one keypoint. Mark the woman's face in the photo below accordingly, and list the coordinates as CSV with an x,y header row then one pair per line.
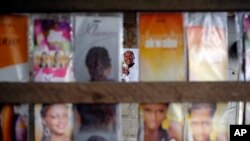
x,y
57,119
44,56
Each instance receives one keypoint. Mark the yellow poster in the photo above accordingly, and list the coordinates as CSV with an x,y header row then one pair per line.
x,y
162,53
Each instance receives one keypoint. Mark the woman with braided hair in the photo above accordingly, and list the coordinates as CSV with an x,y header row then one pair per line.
x,y
98,64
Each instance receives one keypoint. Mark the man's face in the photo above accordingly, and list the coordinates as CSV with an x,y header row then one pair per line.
x,y
128,58
201,124
154,114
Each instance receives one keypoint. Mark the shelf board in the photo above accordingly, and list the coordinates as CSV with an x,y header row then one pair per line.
x,y
111,92
122,5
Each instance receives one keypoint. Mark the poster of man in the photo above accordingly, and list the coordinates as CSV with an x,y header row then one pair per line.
x,y
161,122
207,122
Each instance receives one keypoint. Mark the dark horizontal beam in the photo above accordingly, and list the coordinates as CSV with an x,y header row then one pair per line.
x,y
111,92
122,5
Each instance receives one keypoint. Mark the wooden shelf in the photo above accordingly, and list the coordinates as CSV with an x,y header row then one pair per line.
x,y
111,92
122,5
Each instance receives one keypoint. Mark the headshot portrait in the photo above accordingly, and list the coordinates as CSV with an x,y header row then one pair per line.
x,y
152,117
205,122
130,67
161,122
53,122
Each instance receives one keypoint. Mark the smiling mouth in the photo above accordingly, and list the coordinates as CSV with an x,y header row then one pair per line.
x,y
61,127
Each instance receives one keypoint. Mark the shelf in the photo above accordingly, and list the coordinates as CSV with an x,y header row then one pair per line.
x,y
122,5
111,92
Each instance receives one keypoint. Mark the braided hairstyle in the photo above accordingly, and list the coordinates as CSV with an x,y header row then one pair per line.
x,y
97,61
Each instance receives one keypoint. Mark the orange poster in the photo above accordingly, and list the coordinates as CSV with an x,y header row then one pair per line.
x,y
13,40
162,53
207,53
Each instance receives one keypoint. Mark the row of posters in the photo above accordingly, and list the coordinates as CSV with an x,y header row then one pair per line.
x,y
163,52
158,121
168,44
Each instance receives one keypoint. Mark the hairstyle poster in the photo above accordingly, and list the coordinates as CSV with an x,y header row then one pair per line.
x,y
161,122
208,122
97,122
52,66
98,43
14,122
130,65
53,122
207,46
162,53
52,57
14,48
246,41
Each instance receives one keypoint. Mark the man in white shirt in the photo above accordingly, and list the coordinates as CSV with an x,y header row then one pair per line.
x,y
129,68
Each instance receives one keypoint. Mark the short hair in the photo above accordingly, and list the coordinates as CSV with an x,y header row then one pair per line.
x,y
129,51
197,106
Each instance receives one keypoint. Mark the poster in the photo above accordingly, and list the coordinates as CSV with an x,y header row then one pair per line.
x,y
130,65
161,122
97,122
207,46
53,122
14,67
14,122
14,48
52,57
247,113
208,122
161,44
98,43
246,43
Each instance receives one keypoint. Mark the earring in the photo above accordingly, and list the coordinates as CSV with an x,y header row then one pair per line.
x,y
46,131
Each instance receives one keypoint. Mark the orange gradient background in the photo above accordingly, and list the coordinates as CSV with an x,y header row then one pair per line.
x,y
159,63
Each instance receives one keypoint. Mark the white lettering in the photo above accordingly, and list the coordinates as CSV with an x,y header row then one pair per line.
x,y
158,43
243,131
237,132
240,132
161,43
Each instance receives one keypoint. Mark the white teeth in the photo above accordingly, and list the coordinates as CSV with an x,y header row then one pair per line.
x,y
60,126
